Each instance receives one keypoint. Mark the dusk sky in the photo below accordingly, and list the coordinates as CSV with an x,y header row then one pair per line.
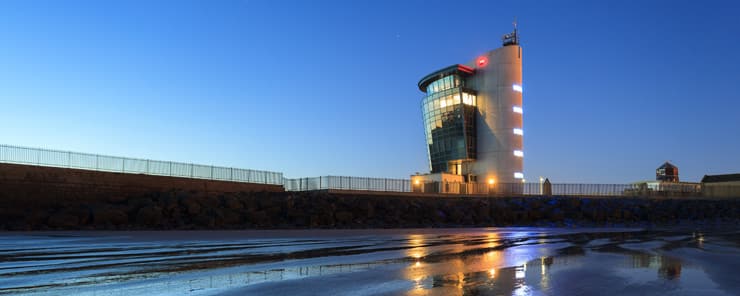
x,y
612,89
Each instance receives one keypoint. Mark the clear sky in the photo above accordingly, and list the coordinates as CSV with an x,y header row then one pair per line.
x,y
611,88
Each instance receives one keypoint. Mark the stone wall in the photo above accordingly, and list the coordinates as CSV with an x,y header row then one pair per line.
x,y
75,181
45,208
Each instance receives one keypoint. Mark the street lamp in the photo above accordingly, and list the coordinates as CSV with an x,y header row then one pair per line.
x,y
417,187
491,184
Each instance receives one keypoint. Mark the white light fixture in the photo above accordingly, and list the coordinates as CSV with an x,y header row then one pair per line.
x,y
518,131
518,153
518,109
517,87
518,176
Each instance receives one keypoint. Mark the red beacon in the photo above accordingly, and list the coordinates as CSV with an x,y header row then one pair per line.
x,y
482,61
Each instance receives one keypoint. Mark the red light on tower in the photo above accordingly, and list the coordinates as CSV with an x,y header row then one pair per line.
x,y
482,62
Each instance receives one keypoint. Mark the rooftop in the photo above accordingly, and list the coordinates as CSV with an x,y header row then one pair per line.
x,y
721,178
454,69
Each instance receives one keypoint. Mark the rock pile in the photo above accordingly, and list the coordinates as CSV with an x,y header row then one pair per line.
x,y
175,209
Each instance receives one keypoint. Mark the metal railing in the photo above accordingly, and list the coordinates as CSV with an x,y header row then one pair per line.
x,y
347,183
405,185
95,162
104,163
524,188
560,189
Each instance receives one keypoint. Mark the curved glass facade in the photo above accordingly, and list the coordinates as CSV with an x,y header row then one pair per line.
x,y
449,122
446,82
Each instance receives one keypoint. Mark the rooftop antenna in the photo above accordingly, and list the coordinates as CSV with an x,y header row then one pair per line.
x,y
513,37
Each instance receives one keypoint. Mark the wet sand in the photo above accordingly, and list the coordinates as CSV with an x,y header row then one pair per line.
x,y
480,261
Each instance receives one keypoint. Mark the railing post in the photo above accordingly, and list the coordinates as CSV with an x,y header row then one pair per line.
x,y
211,172
147,167
231,174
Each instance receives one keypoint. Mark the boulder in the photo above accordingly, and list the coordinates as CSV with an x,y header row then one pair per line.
x,y
344,217
63,220
191,206
230,202
109,216
149,216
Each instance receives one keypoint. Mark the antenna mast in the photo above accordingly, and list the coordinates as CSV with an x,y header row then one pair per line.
x,y
513,37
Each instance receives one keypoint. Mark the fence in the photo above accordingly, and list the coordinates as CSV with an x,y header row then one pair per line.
x,y
559,189
95,162
404,185
347,183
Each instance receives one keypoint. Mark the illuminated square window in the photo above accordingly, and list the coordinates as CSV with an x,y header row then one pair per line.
x,y
518,109
517,87
518,176
518,153
518,131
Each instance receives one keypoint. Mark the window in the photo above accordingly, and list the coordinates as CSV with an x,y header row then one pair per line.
x,y
518,153
444,83
518,131
517,87
518,176
468,99
518,109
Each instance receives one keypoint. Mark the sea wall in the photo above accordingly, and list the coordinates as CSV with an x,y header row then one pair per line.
x,y
64,182
46,208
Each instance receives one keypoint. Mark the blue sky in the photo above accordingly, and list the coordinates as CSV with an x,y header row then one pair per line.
x,y
611,88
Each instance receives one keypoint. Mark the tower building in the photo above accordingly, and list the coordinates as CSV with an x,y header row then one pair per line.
x,y
472,116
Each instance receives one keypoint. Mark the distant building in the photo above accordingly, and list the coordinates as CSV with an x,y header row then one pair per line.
x,y
667,173
721,185
666,184
728,179
473,118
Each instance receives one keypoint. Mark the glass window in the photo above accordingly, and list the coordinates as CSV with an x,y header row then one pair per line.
x,y
468,99
443,84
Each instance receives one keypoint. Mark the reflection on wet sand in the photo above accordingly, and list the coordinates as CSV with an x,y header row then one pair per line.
x,y
491,274
443,262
